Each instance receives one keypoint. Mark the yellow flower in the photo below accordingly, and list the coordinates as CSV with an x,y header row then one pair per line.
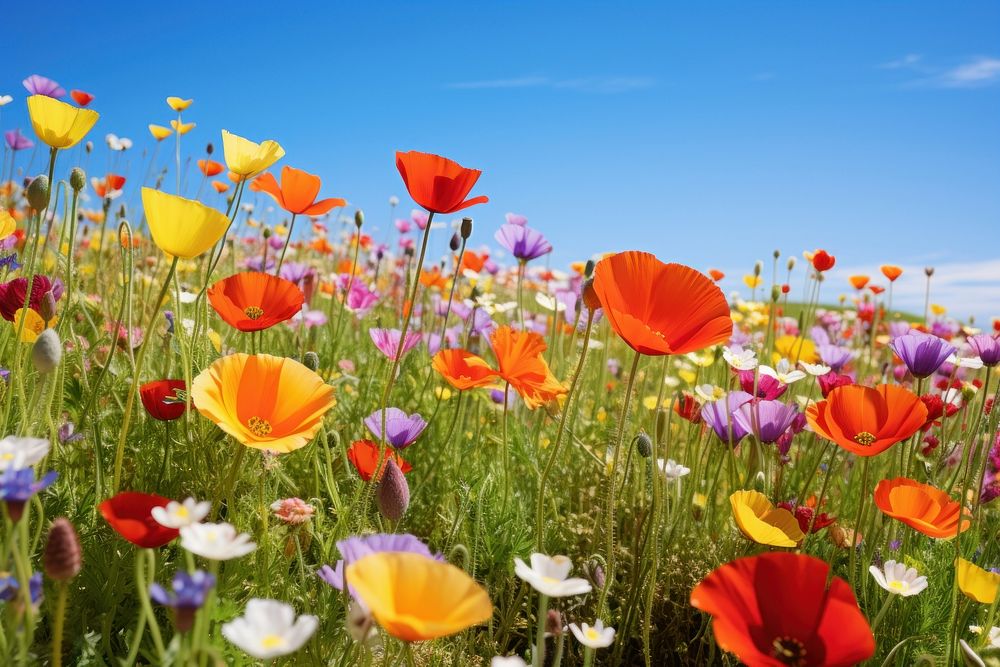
x,y
442,393
416,598
751,281
159,132
761,522
182,227
977,584
7,224
246,158
649,402
216,340
58,124
687,375
34,325
795,349
181,128
178,104
938,309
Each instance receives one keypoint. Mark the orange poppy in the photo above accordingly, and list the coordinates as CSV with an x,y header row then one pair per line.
x,y
233,176
659,308
438,184
210,167
252,301
474,261
364,455
891,271
264,402
822,260
297,192
108,184
464,370
220,186
876,289
716,274
321,245
433,278
924,508
859,282
81,97
866,421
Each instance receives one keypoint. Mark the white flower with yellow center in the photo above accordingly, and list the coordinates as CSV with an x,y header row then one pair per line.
x,y
898,579
268,629
595,636
216,541
548,575
178,515
784,372
509,661
709,392
740,359
17,452
814,369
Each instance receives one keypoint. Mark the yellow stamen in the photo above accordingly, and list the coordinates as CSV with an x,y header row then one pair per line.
x,y
259,427
253,312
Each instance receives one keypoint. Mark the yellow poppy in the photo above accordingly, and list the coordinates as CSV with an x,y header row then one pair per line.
x,y
7,224
181,128
246,158
761,522
182,227
58,124
159,132
34,325
795,349
178,104
416,598
752,281
265,402
977,584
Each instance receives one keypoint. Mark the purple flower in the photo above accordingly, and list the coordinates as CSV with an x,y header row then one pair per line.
x,y
310,318
39,85
17,141
516,219
387,341
720,415
9,587
68,433
402,226
767,420
255,263
355,548
523,242
922,353
296,272
18,485
986,347
834,356
898,328
189,590
401,429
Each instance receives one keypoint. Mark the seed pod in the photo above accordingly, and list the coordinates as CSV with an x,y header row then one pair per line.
x,y
47,306
62,558
47,351
554,623
38,193
466,228
77,179
359,218
643,445
454,243
393,493
209,149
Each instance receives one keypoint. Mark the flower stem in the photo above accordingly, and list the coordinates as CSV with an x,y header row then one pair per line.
x,y
538,653
57,623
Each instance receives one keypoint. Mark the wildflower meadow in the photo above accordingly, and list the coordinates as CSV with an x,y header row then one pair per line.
x,y
239,427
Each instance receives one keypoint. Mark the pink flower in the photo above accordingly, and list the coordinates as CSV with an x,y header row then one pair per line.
x,y
346,365
293,511
387,341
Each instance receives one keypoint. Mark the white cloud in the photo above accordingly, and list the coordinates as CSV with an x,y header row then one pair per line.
x,y
520,82
982,71
594,84
908,61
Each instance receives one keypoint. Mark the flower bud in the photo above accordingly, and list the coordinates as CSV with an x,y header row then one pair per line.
x,y
643,445
759,481
394,201
590,296
209,149
77,179
62,558
47,351
554,623
791,263
929,271
595,573
267,233
359,218
38,193
777,253
588,268
47,306
393,493
466,228
89,147
775,293
758,267
311,361
454,243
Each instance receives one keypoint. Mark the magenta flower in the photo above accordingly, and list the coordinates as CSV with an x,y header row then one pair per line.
x,y
419,218
387,341
360,299
922,353
768,388
17,141
986,347
401,429
403,226
523,242
39,85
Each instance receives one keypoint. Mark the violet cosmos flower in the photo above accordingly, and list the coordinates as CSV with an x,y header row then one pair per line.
x,y
40,85
516,219
401,429
355,548
296,272
18,485
188,596
767,420
834,356
387,341
922,353
9,587
720,415
17,141
898,328
523,242
986,347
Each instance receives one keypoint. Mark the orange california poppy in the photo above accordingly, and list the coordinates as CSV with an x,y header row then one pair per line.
x,y
924,508
321,245
776,609
108,184
876,289
210,167
822,260
433,278
464,370
891,272
438,184
220,186
81,97
264,402
661,308
859,282
297,192
364,455
716,274
252,301
866,421
474,261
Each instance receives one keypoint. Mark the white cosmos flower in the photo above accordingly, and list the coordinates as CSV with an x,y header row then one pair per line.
x,y
216,541
671,469
188,297
784,373
898,579
548,576
268,629
596,636
740,359
178,515
709,392
975,363
814,369
18,452
549,303
510,661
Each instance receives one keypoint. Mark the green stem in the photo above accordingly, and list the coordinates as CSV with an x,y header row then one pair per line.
x,y
538,653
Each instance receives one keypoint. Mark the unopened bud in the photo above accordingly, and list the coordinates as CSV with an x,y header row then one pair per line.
x,y
38,193
588,268
466,228
311,361
595,573
47,306
777,253
929,271
454,243
209,149
359,218
77,179
775,292
393,493
643,445
267,233
394,201
757,268
590,296
759,481
62,558
46,353
554,623
791,263
89,147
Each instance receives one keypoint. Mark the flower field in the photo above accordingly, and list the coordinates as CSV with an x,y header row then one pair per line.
x,y
240,427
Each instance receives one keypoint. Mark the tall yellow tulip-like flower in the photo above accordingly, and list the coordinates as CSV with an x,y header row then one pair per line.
x,y
178,104
246,158
182,227
58,124
416,598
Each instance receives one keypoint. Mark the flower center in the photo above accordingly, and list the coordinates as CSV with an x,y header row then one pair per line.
x,y
253,312
259,427
899,586
272,641
864,438
592,634
789,651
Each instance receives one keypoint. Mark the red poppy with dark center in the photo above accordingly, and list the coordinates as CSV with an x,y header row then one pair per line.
x,y
161,401
130,514
253,301
364,456
687,407
438,184
776,609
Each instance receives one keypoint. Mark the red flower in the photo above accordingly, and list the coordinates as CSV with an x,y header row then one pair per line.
x,y
81,97
363,455
436,183
154,397
823,261
129,513
12,294
688,408
804,515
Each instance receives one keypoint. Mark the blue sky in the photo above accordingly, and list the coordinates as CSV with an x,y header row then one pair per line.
x,y
708,133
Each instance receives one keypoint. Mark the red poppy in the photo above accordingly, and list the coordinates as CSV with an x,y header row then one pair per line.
x,y
823,261
364,455
688,408
776,609
159,397
130,514
876,289
716,274
81,97
659,308
474,261
438,184
210,167
252,301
